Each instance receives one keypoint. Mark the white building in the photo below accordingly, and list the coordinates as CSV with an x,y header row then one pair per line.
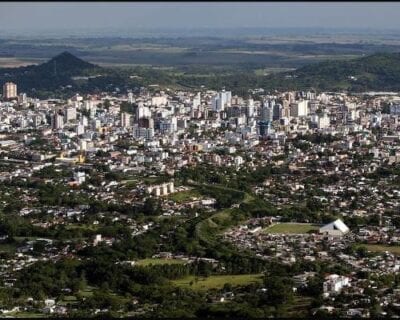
x,y
196,101
323,121
335,228
334,284
125,120
162,189
142,112
299,109
159,101
79,177
80,129
238,161
70,114
221,100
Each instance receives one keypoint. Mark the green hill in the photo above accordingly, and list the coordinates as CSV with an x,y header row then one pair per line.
x,y
380,71
49,75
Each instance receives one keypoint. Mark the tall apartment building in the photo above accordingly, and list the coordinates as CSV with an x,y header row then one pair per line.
x,y
10,90
221,100
57,121
70,114
299,109
125,120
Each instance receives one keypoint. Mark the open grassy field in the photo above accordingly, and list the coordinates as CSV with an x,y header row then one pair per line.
x,y
217,281
184,196
156,261
381,248
25,315
11,62
291,228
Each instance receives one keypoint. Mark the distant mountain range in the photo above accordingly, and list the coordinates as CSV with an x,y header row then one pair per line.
x,y
380,71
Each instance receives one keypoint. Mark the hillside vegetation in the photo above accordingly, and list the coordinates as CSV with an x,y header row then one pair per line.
x,y
57,77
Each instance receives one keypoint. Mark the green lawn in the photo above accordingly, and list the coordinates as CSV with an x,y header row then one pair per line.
x,y
25,315
87,292
291,228
130,183
157,261
184,196
83,227
381,248
217,281
68,300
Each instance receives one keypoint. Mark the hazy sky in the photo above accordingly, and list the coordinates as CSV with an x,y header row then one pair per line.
x,y
47,16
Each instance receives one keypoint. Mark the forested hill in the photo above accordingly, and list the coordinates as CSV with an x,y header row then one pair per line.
x,y
377,72
380,71
49,75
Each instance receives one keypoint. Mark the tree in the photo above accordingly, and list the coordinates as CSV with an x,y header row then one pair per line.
x,y
279,290
151,206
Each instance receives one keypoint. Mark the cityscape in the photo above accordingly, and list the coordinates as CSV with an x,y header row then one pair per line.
x,y
174,190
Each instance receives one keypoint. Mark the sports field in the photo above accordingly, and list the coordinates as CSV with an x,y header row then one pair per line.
x,y
381,248
217,281
157,261
291,228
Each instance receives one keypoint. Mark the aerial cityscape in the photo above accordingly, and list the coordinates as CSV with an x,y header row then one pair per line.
x,y
247,166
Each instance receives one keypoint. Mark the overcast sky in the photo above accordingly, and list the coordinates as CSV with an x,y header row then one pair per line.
x,y
47,16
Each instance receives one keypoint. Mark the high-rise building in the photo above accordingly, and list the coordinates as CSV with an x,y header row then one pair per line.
x,y
9,90
267,110
250,110
142,112
70,114
277,111
299,109
221,101
22,98
84,121
130,97
80,129
196,101
125,119
57,121
36,120
264,128
323,121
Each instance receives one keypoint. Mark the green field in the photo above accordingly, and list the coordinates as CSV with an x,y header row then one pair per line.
x,y
25,315
184,196
381,248
217,282
157,261
291,228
